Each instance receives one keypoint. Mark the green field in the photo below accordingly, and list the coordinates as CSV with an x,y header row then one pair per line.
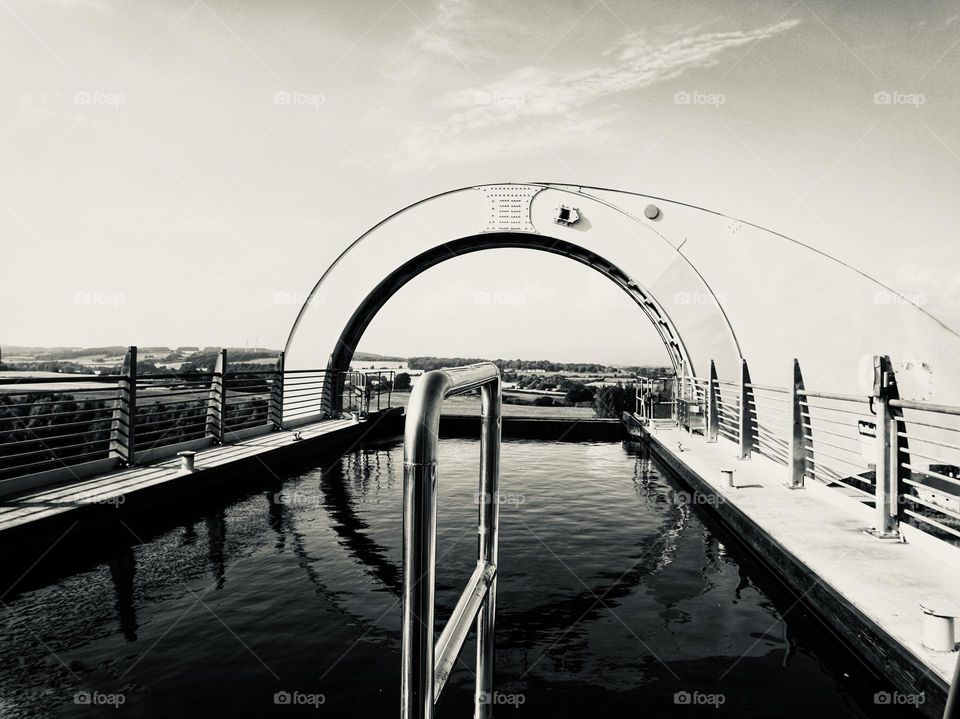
x,y
470,404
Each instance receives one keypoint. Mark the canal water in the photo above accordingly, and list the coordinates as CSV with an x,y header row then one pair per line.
x,y
617,596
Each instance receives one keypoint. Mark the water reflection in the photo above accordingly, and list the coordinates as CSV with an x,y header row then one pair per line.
x,y
612,589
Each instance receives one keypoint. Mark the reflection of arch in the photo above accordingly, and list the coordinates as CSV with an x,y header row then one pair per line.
x,y
655,551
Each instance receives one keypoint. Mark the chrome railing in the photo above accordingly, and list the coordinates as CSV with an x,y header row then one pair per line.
x,y
58,428
425,664
900,457
647,404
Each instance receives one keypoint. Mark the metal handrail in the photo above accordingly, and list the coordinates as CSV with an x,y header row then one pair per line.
x,y
426,665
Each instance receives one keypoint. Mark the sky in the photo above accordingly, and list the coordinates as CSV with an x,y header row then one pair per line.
x,y
182,172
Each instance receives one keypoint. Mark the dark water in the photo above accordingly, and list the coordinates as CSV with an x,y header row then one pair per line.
x,y
613,597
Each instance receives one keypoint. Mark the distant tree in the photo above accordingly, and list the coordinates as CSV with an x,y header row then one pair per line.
x,y
401,381
613,400
577,392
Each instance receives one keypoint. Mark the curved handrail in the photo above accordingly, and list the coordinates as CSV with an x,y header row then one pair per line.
x,y
425,665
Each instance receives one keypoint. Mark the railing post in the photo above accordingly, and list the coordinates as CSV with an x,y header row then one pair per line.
x,y
217,400
887,483
123,424
745,423
490,410
713,400
797,453
331,398
675,404
275,413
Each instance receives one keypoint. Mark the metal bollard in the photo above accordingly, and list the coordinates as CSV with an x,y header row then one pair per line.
x,y
728,474
186,460
938,625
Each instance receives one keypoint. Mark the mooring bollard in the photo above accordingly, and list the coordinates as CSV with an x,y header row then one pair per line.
x,y
728,474
186,460
938,625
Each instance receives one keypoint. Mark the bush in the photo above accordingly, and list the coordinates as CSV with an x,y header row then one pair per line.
x,y
612,401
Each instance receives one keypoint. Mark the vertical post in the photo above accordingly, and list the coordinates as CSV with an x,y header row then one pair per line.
x,y
888,455
123,424
745,424
713,401
217,400
675,405
419,553
798,436
275,413
490,409
331,392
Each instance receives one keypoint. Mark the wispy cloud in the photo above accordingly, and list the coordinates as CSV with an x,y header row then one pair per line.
x,y
559,105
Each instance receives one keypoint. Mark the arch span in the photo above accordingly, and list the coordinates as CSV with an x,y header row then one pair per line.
x,y
713,286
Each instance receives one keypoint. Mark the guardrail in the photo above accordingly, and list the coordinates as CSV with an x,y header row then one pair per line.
x,y
900,457
58,428
425,666
649,405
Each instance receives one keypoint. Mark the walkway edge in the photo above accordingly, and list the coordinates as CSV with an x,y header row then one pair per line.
x,y
887,656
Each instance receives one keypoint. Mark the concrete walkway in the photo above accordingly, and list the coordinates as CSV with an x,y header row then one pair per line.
x,y
881,582
116,488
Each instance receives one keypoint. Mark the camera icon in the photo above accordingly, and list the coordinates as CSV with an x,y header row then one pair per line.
x,y
82,698
682,98
882,698
682,698
282,98
882,98
282,698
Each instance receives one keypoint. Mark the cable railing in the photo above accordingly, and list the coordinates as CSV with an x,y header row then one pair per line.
x,y
900,458
60,428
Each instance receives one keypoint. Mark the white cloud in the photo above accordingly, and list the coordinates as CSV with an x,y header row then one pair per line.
x,y
557,105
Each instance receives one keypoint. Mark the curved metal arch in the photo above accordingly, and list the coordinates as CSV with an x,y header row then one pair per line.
x,y
374,301
665,329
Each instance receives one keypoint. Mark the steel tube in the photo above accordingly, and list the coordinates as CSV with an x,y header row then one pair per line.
x,y
455,632
490,409
420,454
